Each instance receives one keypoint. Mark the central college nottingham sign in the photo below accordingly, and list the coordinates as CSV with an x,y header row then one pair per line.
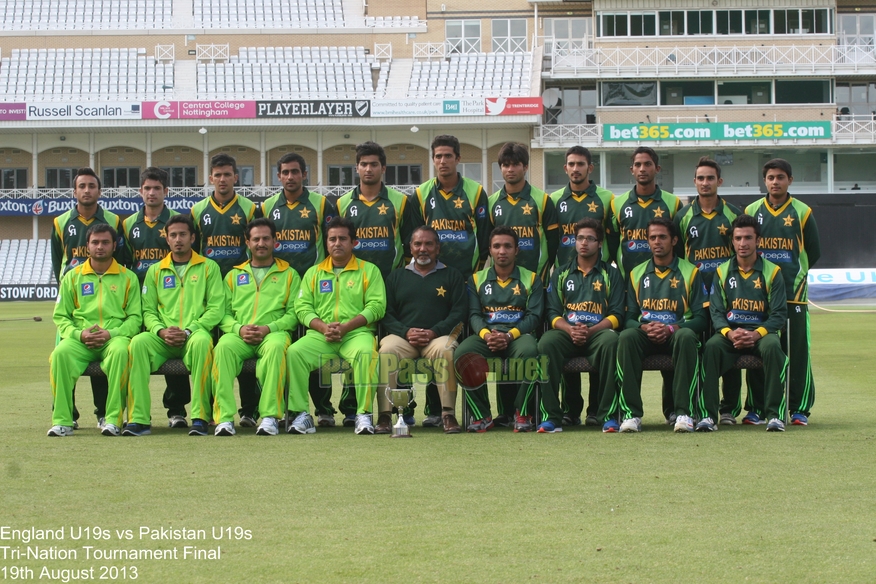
x,y
747,131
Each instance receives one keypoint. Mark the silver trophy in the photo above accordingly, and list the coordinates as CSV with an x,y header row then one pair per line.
x,y
400,399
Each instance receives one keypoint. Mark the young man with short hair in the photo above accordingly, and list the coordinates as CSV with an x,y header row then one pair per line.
x,y
146,237
667,308
585,309
259,318
529,211
789,238
182,304
748,308
97,313
220,220
340,301
505,308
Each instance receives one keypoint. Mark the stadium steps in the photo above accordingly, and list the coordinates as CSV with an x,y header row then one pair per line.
x,y
185,74
183,14
399,78
354,16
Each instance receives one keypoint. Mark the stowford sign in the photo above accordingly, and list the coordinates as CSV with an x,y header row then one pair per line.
x,y
27,292
314,109
716,131
84,111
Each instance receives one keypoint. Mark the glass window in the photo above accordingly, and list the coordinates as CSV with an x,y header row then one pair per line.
x,y
614,25
672,23
245,176
757,22
342,175
803,91
700,22
509,35
14,178
643,24
629,93
181,176
729,21
127,176
403,174
463,36
572,105
470,170
60,178
744,92
567,32
687,93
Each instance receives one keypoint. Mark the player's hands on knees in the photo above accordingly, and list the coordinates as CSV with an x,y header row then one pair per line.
x,y
497,341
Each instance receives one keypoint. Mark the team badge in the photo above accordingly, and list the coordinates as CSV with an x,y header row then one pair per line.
x,y
169,282
325,286
88,289
194,277
114,288
350,283
242,279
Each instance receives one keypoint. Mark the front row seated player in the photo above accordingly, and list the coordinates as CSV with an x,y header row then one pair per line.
x,y
340,301
585,308
748,307
259,318
97,313
182,303
505,308
667,309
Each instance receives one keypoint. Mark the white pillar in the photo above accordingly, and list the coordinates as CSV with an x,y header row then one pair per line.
x,y
148,149
91,151
206,149
34,182
830,179
603,170
485,165
263,158
319,158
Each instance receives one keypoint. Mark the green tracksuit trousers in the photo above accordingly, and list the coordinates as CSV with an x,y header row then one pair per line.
x,y
148,352
70,359
228,358
600,350
312,351
802,386
719,357
632,348
521,350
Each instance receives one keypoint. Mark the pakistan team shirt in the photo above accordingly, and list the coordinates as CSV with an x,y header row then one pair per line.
x,y
704,238
752,300
594,202
383,226
586,298
68,244
221,229
532,215
460,218
300,228
674,294
632,213
511,306
146,240
789,239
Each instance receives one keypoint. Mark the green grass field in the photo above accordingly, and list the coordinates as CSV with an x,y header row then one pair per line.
x,y
739,504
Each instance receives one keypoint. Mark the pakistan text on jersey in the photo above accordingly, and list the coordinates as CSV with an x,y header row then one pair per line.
x,y
746,304
637,234
223,240
149,253
524,231
776,243
711,253
449,225
660,304
377,232
587,306
295,235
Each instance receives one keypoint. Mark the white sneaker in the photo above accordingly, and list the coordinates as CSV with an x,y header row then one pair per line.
x,y
707,425
728,420
302,424
101,422
631,425
684,424
60,431
225,429
268,427
110,430
326,421
363,424
776,425
433,422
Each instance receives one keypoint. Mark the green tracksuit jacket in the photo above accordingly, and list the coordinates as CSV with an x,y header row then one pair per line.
x,y
359,289
193,302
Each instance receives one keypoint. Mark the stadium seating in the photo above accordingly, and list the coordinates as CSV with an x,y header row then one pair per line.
x,y
85,14
292,72
83,75
25,261
473,75
268,14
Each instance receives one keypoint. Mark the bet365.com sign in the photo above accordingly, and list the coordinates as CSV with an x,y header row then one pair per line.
x,y
716,131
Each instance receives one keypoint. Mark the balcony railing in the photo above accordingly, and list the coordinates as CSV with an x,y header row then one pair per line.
x,y
256,193
693,61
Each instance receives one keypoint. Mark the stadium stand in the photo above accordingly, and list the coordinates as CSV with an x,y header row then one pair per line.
x,y
25,261
474,74
85,14
83,74
268,14
393,21
281,72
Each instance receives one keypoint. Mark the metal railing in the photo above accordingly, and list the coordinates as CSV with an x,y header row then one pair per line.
x,y
769,60
257,192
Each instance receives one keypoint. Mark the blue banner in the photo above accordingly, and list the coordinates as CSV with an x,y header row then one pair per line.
x,y
53,207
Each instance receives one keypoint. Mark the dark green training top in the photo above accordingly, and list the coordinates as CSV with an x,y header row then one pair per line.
x,y
147,240
300,228
221,230
704,238
436,301
586,298
69,246
631,216
511,306
753,300
671,295
593,202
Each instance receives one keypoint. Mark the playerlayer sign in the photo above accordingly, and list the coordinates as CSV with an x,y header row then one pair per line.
x,y
105,110
715,131
52,207
314,109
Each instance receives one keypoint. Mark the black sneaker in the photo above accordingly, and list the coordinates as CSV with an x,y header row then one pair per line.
x,y
199,428
134,429
503,421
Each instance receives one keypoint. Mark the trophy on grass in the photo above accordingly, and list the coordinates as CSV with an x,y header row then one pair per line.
x,y
400,399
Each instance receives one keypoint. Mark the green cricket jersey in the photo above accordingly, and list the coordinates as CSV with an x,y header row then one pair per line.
x,y
330,297
221,235
631,216
586,298
532,214
300,227
68,244
789,238
593,202
436,301
460,218
270,303
146,240
752,301
109,300
704,238
383,226
511,306
672,295
193,301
